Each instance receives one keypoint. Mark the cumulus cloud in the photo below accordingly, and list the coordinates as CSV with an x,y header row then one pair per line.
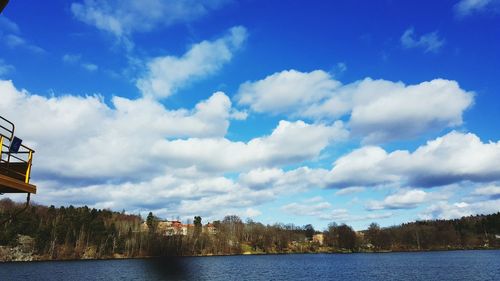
x,y
452,158
286,91
363,161
122,18
318,208
399,111
166,74
173,193
138,155
299,179
379,110
405,199
467,7
83,137
168,189
429,42
492,191
239,200
252,213
446,210
290,142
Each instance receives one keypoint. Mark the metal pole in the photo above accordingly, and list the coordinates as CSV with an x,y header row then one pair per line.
x,y
28,171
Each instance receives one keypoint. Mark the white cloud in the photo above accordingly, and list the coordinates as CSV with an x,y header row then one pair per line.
x,y
398,111
290,142
379,110
453,158
286,91
492,191
364,161
318,208
90,66
252,213
168,189
261,178
372,216
123,18
299,179
173,193
239,114
238,199
165,75
445,210
134,149
82,137
350,190
430,42
404,199
105,156
467,7
106,153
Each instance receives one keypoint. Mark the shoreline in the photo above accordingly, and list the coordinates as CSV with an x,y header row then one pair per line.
x,y
243,254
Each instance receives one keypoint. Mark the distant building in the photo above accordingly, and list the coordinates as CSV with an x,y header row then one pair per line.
x,y
144,227
175,227
171,228
210,229
318,238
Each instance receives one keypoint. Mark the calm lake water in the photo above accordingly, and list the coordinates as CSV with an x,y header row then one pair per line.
x,y
457,265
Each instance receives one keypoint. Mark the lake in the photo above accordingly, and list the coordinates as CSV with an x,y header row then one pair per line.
x,y
453,265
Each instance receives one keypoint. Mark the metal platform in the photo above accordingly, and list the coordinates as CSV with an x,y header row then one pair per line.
x,y
15,161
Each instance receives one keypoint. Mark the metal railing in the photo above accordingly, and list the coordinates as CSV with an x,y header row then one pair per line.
x,y
14,164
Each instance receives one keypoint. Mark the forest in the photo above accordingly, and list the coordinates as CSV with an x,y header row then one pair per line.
x,y
50,233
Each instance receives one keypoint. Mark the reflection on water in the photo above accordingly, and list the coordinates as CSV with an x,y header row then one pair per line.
x,y
458,265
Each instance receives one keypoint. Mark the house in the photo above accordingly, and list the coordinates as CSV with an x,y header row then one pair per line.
x,y
175,227
169,228
210,229
318,238
172,228
144,227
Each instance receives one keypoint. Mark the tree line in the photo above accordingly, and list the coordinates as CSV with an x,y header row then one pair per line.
x,y
83,232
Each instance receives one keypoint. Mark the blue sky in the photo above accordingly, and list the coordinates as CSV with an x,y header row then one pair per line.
x,y
296,112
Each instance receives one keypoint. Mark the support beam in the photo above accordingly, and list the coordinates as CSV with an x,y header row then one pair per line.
x,y
10,185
